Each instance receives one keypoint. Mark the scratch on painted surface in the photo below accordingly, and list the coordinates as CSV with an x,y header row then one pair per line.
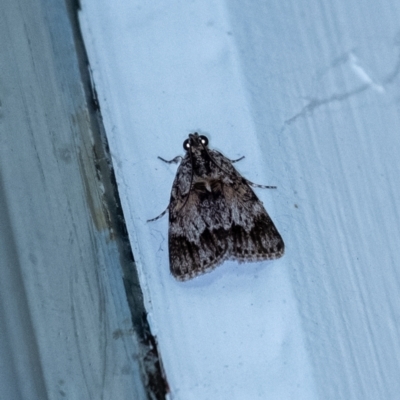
x,y
368,83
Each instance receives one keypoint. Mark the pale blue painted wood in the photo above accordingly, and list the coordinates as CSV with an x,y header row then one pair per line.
x,y
65,324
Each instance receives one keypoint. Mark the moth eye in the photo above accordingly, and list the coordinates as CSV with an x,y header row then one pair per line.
x,y
204,140
186,144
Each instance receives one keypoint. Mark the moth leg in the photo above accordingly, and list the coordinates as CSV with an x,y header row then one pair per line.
x,y
161,215
233,161
259,186
174,160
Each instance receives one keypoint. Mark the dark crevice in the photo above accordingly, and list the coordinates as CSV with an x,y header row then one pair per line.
x,y
152,370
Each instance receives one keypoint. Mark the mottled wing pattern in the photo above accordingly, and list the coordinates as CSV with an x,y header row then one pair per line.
x,y
197,242
215,219
191,258
254,236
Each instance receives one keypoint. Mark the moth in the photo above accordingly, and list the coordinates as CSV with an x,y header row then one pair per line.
x,y
214,215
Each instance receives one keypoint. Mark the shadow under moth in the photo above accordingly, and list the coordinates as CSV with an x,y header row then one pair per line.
x,y
214,215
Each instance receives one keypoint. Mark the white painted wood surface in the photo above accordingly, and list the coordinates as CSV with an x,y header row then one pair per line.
x,y
308,91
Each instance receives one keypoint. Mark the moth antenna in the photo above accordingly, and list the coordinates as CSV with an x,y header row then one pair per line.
x,y
173,161
161,215
259,186
213,161
233,161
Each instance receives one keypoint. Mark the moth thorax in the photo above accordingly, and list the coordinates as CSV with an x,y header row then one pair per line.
x,y
201,163
207,185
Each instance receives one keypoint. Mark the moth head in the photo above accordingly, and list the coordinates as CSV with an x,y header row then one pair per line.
x,y
195,140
